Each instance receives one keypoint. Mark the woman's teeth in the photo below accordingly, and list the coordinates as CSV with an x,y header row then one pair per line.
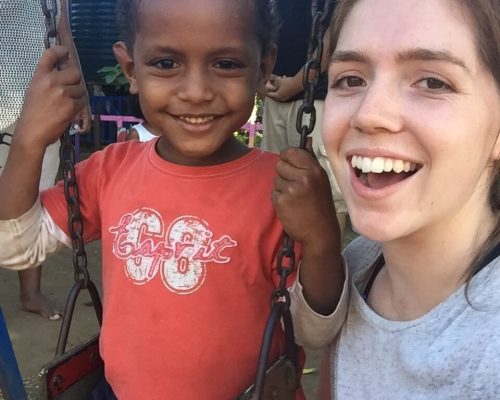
x,y
382,164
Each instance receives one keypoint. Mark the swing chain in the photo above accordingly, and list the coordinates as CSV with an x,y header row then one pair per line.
x,y
75,223
312,71
312,68
68,156
50,14
285,266
4,135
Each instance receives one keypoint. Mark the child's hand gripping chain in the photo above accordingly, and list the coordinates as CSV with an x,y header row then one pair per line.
x,y
53,98
303,202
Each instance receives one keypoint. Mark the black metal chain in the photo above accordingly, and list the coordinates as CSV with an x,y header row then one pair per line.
x,y
4,135
50,14
312,72
312,68
280,300
75,224
68,156
286,256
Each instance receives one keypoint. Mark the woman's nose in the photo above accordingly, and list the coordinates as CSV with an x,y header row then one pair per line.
x,y
380,109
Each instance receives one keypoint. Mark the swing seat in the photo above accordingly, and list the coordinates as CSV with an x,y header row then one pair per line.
x,y
74,375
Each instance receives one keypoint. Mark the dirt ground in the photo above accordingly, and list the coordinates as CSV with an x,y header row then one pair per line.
x,y
35,338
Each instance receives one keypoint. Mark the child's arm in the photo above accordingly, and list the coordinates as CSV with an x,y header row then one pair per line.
x,y
285,87
52,100
303,202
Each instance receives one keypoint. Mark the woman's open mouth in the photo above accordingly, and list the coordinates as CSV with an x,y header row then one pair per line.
x,y
381,172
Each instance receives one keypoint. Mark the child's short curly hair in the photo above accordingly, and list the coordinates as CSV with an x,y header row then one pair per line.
x,y
267,21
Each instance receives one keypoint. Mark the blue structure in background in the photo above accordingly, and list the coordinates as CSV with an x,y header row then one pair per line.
x,y
108,105
94,31
11,383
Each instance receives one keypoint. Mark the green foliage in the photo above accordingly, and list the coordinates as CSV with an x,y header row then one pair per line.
x,y
242,136
258,139
113,76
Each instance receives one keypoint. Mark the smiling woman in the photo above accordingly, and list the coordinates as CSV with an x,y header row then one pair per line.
x,y
411,94
411,127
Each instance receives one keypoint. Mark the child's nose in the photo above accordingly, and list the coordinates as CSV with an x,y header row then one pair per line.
x,y
196,87
380,109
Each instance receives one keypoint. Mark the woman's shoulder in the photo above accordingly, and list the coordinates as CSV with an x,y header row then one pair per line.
x,y
484,288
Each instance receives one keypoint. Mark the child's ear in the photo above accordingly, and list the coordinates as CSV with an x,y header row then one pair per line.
x,y
266,67
126,63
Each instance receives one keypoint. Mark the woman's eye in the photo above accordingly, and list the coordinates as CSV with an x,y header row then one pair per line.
x,y
347,82
166,63
434,84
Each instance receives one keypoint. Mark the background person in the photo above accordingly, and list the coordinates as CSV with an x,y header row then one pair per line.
x,y
284,91
140,132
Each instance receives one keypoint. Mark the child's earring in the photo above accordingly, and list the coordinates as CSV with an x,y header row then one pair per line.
x,y
133,85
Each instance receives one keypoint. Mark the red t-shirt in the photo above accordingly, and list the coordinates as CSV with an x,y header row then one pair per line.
x,y
188,256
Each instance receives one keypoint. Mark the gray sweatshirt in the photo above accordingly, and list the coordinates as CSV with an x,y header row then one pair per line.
x,y
452,352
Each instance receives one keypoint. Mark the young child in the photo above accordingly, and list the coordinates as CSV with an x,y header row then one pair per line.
x,y
189,234
412,128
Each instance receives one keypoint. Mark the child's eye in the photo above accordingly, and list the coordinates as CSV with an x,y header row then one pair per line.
x,y
166,63
433,84
228,64
349,81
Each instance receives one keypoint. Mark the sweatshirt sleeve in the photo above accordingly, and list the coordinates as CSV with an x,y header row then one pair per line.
x,y
28,240
314,330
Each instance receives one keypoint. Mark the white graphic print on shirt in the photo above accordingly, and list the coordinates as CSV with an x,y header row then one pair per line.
x,y
181,252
